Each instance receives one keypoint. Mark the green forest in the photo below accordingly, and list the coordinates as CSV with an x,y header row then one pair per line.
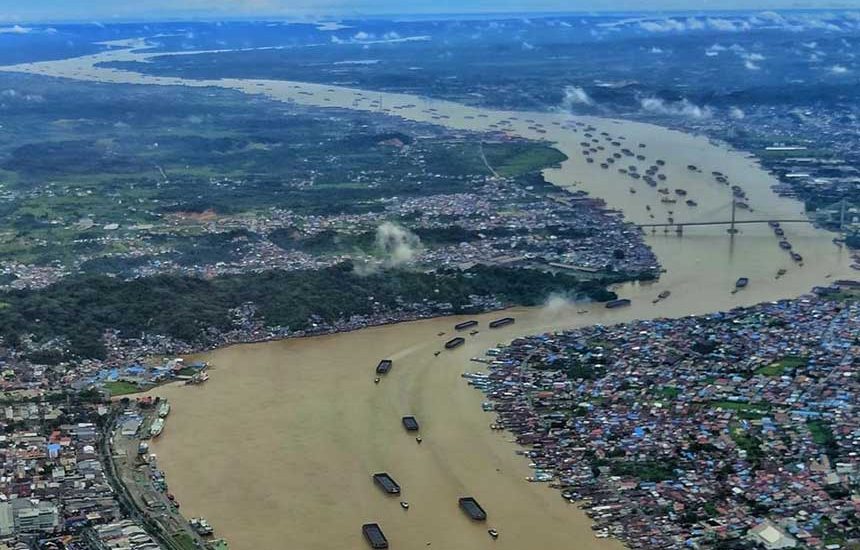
x,y
79,309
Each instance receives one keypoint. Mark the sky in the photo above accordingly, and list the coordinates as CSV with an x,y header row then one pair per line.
x,y
108,10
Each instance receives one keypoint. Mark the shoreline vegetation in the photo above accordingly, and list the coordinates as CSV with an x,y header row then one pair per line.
x,y
193,314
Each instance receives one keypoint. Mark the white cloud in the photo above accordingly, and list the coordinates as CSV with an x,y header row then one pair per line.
x,y
683,108
656,50
736,113
750,66
839,69
15,29
527,46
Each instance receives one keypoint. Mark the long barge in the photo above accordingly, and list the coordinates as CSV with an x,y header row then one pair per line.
x,y
386,483
621,302
454,343
503,322
384,366
466,324
374,535
472,508
410,423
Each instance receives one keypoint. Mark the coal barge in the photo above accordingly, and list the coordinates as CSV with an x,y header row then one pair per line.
x,y
374,535
503,322
384,366
386,483
454,342
466,324
410,423
473,509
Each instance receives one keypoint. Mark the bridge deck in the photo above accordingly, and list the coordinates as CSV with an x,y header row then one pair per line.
x,y
728,222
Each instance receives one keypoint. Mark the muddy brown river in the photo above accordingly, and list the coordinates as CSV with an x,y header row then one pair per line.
x,y
278,448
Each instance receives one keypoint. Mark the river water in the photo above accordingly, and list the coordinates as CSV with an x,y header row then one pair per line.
x,y
278,448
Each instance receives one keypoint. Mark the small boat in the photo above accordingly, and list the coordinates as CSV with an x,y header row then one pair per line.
x,y
474,332
632,191
796,257
404,504
493,533
419,440
781,272
742,282
785,245
376,380
436,353
692,203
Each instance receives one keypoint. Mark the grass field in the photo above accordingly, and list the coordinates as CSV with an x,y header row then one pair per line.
x,y
121,387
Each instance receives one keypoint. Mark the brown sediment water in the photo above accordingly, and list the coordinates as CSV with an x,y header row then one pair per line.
x,y
278,448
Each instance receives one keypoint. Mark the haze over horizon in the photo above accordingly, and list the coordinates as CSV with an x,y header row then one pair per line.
x,y
62,10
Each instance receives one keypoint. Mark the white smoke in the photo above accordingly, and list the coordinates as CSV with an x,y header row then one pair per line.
x,y
556,304
683,108
397,245
575,95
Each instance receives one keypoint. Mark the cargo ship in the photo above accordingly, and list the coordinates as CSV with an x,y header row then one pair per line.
x,y
410,423
454,342
384,366
473,509
466,324
163,409
386,483
374,535
503,322
621,302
